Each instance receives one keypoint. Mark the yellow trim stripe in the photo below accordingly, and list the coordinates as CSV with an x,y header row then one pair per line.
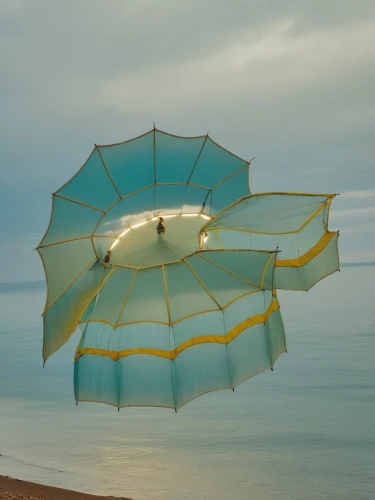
x,y
203,339
308,256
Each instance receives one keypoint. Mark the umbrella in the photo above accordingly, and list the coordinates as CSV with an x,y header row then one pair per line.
x,y
158,251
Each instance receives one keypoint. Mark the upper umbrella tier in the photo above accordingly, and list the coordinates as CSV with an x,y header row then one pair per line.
x,y
154,173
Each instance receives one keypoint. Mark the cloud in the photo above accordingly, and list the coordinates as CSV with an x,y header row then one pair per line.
x,y
263,64
359,230
357,257
360,194
353,212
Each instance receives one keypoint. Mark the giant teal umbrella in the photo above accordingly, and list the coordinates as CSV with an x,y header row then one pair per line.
x,y
158,251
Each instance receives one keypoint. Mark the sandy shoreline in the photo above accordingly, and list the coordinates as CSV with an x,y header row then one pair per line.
x,y
15,489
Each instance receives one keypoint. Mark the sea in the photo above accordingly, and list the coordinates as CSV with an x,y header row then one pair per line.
x,y
305,431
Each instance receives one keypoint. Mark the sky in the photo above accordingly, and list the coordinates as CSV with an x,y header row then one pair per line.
x,y
291,83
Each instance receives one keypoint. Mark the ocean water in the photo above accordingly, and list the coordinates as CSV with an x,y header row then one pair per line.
x,y
305,431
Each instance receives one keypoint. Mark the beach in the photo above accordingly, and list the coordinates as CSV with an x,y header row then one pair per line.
x,y
15,489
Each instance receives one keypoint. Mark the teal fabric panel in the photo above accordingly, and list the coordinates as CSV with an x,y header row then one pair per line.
x,y
270,213
169,199
214,165
130,210
223,286
245,264
256,349
145,381
245,308
230,191
70,220
63,263
176,156
248,354
102,245
185,293
303,278
196,200
60,320
131,164
290,246
145,335
95,379
310,235
147,300
211,323
275,333
139,335
107,306
91,185
201,369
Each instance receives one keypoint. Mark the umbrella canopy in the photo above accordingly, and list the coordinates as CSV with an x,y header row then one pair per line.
x,y
157,249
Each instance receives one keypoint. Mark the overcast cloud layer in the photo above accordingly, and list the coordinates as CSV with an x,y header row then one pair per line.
x,y
291,83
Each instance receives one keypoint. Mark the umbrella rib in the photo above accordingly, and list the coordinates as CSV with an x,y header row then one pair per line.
x,y
166,294
107,171
202,284
199,186
154,142
265,270
78,202
247,164
126,298
192,170
198,157
240,229
46,309
64,241
100,288
174,390
227,151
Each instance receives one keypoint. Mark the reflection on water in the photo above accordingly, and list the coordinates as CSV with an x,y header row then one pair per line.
x,y
304,431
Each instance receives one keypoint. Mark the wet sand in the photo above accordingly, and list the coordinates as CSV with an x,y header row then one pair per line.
x,y
15,489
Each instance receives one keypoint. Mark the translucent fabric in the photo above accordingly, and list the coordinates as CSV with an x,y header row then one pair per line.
x,y
296,224
157,249
167,366
168,294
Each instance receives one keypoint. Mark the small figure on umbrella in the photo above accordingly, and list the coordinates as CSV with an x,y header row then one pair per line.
x,y
160,228
107,257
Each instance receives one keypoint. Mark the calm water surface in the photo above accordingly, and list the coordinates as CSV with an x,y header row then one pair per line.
x,y
302,432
